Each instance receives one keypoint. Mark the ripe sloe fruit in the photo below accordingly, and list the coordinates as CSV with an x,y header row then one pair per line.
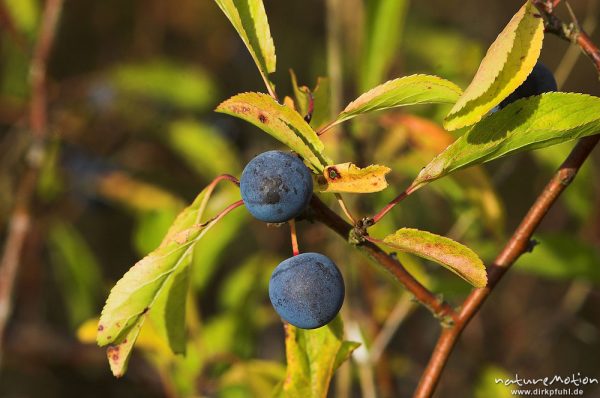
x,y
541,80
307,290
276,186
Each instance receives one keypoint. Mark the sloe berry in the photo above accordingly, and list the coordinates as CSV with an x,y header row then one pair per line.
x,y
307,290
276,186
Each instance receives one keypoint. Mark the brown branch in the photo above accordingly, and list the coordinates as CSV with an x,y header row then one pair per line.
x,y
517,245
572,32
438,307
520,241
20,219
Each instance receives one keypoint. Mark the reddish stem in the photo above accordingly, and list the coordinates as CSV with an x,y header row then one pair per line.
x,y
391,205
295,249
227,177
223,213
324,129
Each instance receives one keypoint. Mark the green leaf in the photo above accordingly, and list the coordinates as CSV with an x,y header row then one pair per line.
x,y
321,100
508,62
169,309
429,42
312,358
529,123
283,123
302,95
409,90
137,293
150,228
384,23
562,256
203,148
249,19
242,283
187,87
207,252
24,14
347,177
450,254
255,377
487,387
322,106
77,272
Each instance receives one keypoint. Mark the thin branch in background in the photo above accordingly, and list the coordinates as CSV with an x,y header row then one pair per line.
x,y
362,357
403,308
19,223
516,246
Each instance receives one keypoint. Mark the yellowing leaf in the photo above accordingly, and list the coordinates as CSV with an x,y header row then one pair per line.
x,y
409,90
529,123
119,353
312,358
148,338
346,177
140,291
281,122
508,62
450,254
136,195
188,138
249,19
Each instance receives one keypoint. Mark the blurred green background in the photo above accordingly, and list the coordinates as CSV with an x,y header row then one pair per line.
x,y
133,139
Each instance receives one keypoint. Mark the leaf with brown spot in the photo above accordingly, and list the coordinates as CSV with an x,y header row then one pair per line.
x,y
118,354
448,253
149,285
281,122
347,177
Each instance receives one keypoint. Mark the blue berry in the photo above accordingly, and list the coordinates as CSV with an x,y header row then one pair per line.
x,y
276,186
307,290
541,80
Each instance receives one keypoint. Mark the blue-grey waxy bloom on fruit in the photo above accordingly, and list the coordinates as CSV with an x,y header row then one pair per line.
x,y
540,80
276,186
307,290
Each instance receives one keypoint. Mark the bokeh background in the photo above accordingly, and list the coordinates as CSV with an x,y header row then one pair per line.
x,y
133,138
